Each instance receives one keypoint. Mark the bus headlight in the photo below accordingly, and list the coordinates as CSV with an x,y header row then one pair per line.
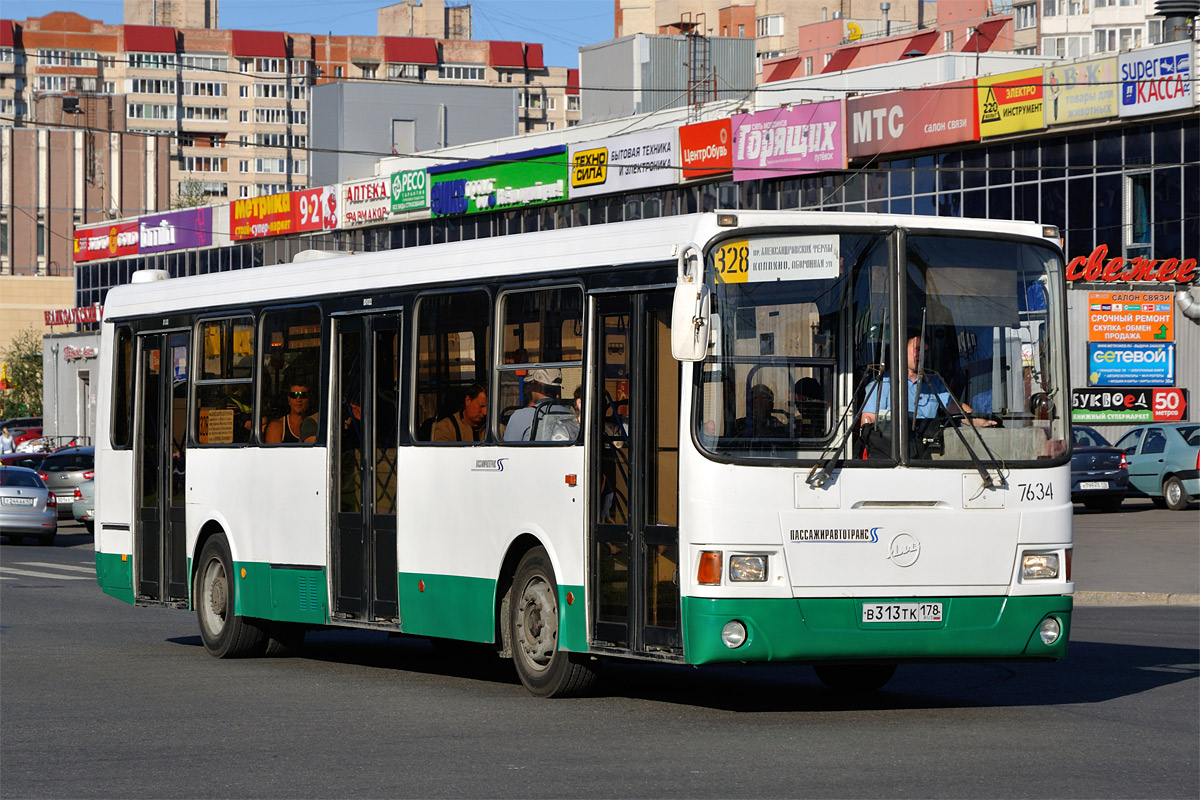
x,y
747,568
1039,567
733,634
1050,630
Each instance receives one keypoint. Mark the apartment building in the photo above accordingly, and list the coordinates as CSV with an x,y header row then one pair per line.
x,y
235,102
1079,28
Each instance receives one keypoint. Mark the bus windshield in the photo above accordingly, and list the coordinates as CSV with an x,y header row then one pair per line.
x,y
806,329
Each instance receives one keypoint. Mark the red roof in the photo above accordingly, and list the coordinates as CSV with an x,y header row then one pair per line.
x,y
921,43
410,50
533,57
259,44
6,33
506,54
841,60
572,81
984,36
782,70
149,39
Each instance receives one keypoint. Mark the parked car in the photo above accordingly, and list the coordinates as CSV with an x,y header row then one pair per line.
x,y
63,470
27,460
27,507
1099,471
84,507
1164,462
22,435
21,422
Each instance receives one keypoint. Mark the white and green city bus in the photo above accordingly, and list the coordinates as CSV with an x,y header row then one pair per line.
x,y
700,483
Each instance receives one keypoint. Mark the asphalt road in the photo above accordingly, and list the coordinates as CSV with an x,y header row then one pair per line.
x,y
99,699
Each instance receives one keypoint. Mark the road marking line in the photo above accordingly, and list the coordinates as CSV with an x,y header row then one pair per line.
x,y
33,574
89,570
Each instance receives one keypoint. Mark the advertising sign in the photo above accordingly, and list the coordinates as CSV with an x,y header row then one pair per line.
x,y
75,316
706,148
1010,102
256,217
1081,92
108,241
1156,79
316,209
364,202
532,178
885,123
1131,364
789,141
178,230
1098,267
1129,404
1131,317
624,163
410,190
286,212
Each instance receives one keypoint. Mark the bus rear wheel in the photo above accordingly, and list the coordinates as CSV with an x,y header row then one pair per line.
x,y
544,669
225,634
855,677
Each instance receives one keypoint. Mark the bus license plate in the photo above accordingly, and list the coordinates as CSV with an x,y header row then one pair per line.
x,y
902,612
1086,485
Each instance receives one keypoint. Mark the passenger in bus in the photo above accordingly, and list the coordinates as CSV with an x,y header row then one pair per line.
x,y
811,409
468,424
761,422
927,394
544,385
297,425
566,429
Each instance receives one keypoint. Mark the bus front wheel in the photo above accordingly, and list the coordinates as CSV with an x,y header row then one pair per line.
x,y
855,677
544,669
225,634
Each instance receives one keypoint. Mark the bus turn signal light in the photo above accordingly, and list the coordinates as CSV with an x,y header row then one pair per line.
x,y
709,572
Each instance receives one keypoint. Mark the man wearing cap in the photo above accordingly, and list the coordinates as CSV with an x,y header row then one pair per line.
x,y
542,385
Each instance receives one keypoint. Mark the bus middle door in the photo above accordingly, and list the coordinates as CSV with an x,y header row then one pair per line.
x,y
364,444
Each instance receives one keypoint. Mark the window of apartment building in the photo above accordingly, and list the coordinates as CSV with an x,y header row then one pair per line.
x,y
404,71
741,31
243,116
243,65
274,66
149,111
808,65
65,58
270,91
571,123
7,56
769,26
1108,40
1026,51
339,72
263,189
1075,7
299,117
1051,8
243,192
150,60
7,106
572,102
947,43
270,116
369,72
205,62
460,72
299,92
149,86
53,83
207,113
1154,31
1065,46
243,166
270,166
205,89
204,164
215,189
1026,16
552,104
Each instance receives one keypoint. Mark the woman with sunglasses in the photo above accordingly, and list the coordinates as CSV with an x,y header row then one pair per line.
x,y
291,427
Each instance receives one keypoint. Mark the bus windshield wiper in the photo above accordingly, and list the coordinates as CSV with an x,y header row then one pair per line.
x,y
831,456
993,463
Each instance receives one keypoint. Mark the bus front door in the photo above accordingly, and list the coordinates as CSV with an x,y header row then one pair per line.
x,y
160,554
364,447
635,488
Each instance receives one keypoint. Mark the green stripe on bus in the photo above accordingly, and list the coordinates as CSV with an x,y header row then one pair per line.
x,y
115,576
281,593
818,629
456,607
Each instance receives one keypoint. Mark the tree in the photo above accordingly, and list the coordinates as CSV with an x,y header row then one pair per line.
x,y
190,195
23,366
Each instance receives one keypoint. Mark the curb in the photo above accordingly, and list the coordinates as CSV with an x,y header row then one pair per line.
x,y
1136,599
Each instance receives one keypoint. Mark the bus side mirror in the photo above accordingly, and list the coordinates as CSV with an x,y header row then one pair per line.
x,y
690,312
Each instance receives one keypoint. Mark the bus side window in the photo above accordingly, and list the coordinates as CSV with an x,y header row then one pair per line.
x,y
453,332
224,390
289,410
541,364
122,401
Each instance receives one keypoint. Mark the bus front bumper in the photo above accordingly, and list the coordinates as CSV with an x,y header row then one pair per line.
x,y
831,629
